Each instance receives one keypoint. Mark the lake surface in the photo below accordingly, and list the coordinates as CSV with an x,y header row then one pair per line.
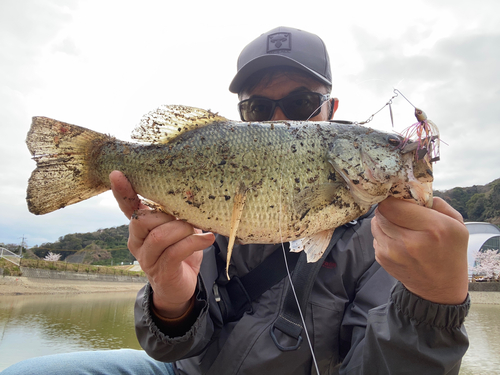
x,y
32,326
483,327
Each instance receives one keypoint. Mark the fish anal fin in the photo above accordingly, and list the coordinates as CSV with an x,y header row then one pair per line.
x,y
238,205
169,121
315,245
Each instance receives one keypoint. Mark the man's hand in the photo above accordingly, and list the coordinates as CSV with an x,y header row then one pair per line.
x,y
425,249
168,250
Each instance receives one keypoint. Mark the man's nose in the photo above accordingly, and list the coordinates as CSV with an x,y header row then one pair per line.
x,y
279,115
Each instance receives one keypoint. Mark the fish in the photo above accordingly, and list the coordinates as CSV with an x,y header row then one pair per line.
x,y
254,182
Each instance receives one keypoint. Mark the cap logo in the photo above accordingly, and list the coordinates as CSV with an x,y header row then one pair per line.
x,y
279,42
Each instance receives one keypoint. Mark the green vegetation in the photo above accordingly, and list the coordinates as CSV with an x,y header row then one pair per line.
x,y
10,269
476,203
102,247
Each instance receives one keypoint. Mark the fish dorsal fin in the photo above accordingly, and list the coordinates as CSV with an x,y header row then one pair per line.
x,y
169,121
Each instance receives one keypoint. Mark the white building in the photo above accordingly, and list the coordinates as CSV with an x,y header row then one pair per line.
x,y
482,236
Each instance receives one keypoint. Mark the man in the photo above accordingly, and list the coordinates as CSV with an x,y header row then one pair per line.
x,y
425,249
387,303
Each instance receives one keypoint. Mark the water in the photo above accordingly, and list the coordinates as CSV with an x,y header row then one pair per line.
x,y
31,326
483,327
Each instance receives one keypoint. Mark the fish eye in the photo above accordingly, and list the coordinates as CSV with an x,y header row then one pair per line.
x,y
393,140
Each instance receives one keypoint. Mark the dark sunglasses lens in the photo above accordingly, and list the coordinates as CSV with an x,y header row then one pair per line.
x,y
302,105
256,109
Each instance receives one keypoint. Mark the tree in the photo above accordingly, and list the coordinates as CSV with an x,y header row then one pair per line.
x,y
475,207
492,208
487,264
52,257
10,246
458,198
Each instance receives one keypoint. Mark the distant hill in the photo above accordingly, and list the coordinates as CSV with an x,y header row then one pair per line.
x,y
475,203
102,247
109,246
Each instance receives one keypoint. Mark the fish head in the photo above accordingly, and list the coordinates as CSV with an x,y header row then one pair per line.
x,y
373,167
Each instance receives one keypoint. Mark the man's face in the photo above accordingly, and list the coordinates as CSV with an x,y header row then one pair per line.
x,y
283,84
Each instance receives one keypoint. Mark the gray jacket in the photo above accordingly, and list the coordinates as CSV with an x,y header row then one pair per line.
x,y
360,321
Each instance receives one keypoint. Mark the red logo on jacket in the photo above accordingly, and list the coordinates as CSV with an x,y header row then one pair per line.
x,y
329,265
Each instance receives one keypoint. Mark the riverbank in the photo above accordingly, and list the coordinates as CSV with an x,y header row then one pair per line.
x,y
487,298
485,293
18,285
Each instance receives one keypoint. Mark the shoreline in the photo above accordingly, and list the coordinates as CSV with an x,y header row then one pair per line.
x,y
19,285
484,298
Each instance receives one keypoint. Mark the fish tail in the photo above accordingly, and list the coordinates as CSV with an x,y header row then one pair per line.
x,y
64,156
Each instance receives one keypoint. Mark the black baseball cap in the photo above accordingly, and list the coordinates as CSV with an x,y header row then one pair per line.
x,y
283,46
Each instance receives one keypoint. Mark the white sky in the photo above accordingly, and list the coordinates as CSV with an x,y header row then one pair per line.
x,y
103,64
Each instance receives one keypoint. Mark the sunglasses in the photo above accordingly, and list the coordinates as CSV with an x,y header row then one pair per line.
x,y
296,106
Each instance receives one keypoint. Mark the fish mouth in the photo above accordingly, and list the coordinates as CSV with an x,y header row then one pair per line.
x,y
417,185
414,191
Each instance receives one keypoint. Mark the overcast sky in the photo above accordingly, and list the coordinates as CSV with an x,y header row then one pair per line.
x,y
103,64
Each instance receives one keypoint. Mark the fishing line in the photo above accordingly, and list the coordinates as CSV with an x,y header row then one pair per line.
x,y
389,103
291,283
321,105
397,91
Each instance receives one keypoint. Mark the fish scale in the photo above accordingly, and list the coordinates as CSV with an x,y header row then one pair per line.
x,y
184,177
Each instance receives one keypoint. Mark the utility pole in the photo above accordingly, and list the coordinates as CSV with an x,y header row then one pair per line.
x,y
23,244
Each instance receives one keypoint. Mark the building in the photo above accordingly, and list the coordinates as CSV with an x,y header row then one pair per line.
x,y
482,236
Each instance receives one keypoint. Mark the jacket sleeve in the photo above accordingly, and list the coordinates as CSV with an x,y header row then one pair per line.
x,y
405,335
165,346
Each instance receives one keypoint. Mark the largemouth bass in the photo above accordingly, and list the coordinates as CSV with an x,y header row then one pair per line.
x,y
263,183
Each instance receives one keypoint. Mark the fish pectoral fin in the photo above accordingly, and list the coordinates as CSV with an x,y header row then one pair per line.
x,y
316,245
169,121
314,197
238,205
